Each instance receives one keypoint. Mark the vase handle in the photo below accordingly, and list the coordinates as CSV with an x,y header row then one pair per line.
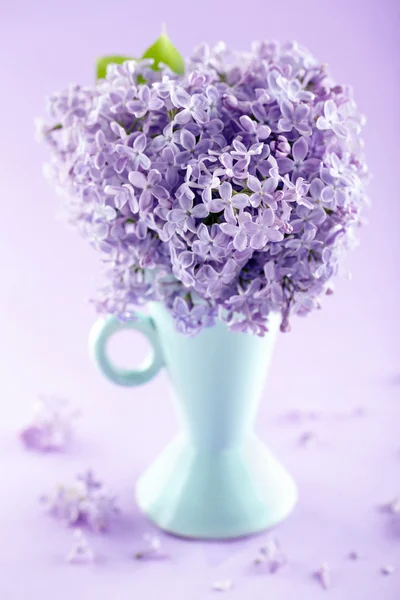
x,y
104,329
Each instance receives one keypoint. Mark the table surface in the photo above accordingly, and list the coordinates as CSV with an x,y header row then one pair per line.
x,y
342,362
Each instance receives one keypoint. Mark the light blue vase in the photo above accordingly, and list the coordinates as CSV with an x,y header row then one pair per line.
x,y
216,479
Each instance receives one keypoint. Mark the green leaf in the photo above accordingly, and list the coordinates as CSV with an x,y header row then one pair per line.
x,y
163,51
101,65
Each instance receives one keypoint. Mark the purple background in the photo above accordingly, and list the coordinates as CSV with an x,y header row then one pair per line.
x,y
346,355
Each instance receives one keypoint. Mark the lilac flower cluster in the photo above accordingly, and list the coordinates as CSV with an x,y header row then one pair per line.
x,y
52,426
84,504
230,191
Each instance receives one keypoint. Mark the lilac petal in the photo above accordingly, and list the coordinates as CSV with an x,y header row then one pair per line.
x,y
287,109
240,200
318,215
316,188
112,190
247,123
330,109
177,215
180,306
144,162
154,177
121,199
340,130
186,202
257,241
269,185
300,149
120,164
239,147
133,204
323,123
240,240
225,191
250,227
145,200
268,217
229,214
183,117
200,248
229,229
186,259
137,179
327,194
285,125
253,183
302,111
182,158
285,165
140,143
216,205
180,98
312,165
159,192
136,108
188,141
203,233
200,211
227,160
273,235
305,202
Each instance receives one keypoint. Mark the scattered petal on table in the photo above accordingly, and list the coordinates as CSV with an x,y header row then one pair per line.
x,y
307,438
387,570
322,575
392,507
81,552
222,586
271,556
152,549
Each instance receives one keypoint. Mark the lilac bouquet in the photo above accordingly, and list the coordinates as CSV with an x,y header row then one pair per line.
x,y
227,187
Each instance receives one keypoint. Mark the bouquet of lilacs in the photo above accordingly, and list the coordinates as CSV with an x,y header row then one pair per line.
x,y
226,187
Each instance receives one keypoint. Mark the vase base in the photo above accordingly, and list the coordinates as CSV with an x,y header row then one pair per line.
x,y
216,495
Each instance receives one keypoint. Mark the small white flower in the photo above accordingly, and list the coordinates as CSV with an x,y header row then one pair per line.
x,y
81,552
222,586
152,549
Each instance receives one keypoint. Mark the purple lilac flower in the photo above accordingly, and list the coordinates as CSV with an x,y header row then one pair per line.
x,y
333,119
299,165
136,156
263,191
263,230
150,188
145,102
295,117
227,202
211,240
185,216
233,190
